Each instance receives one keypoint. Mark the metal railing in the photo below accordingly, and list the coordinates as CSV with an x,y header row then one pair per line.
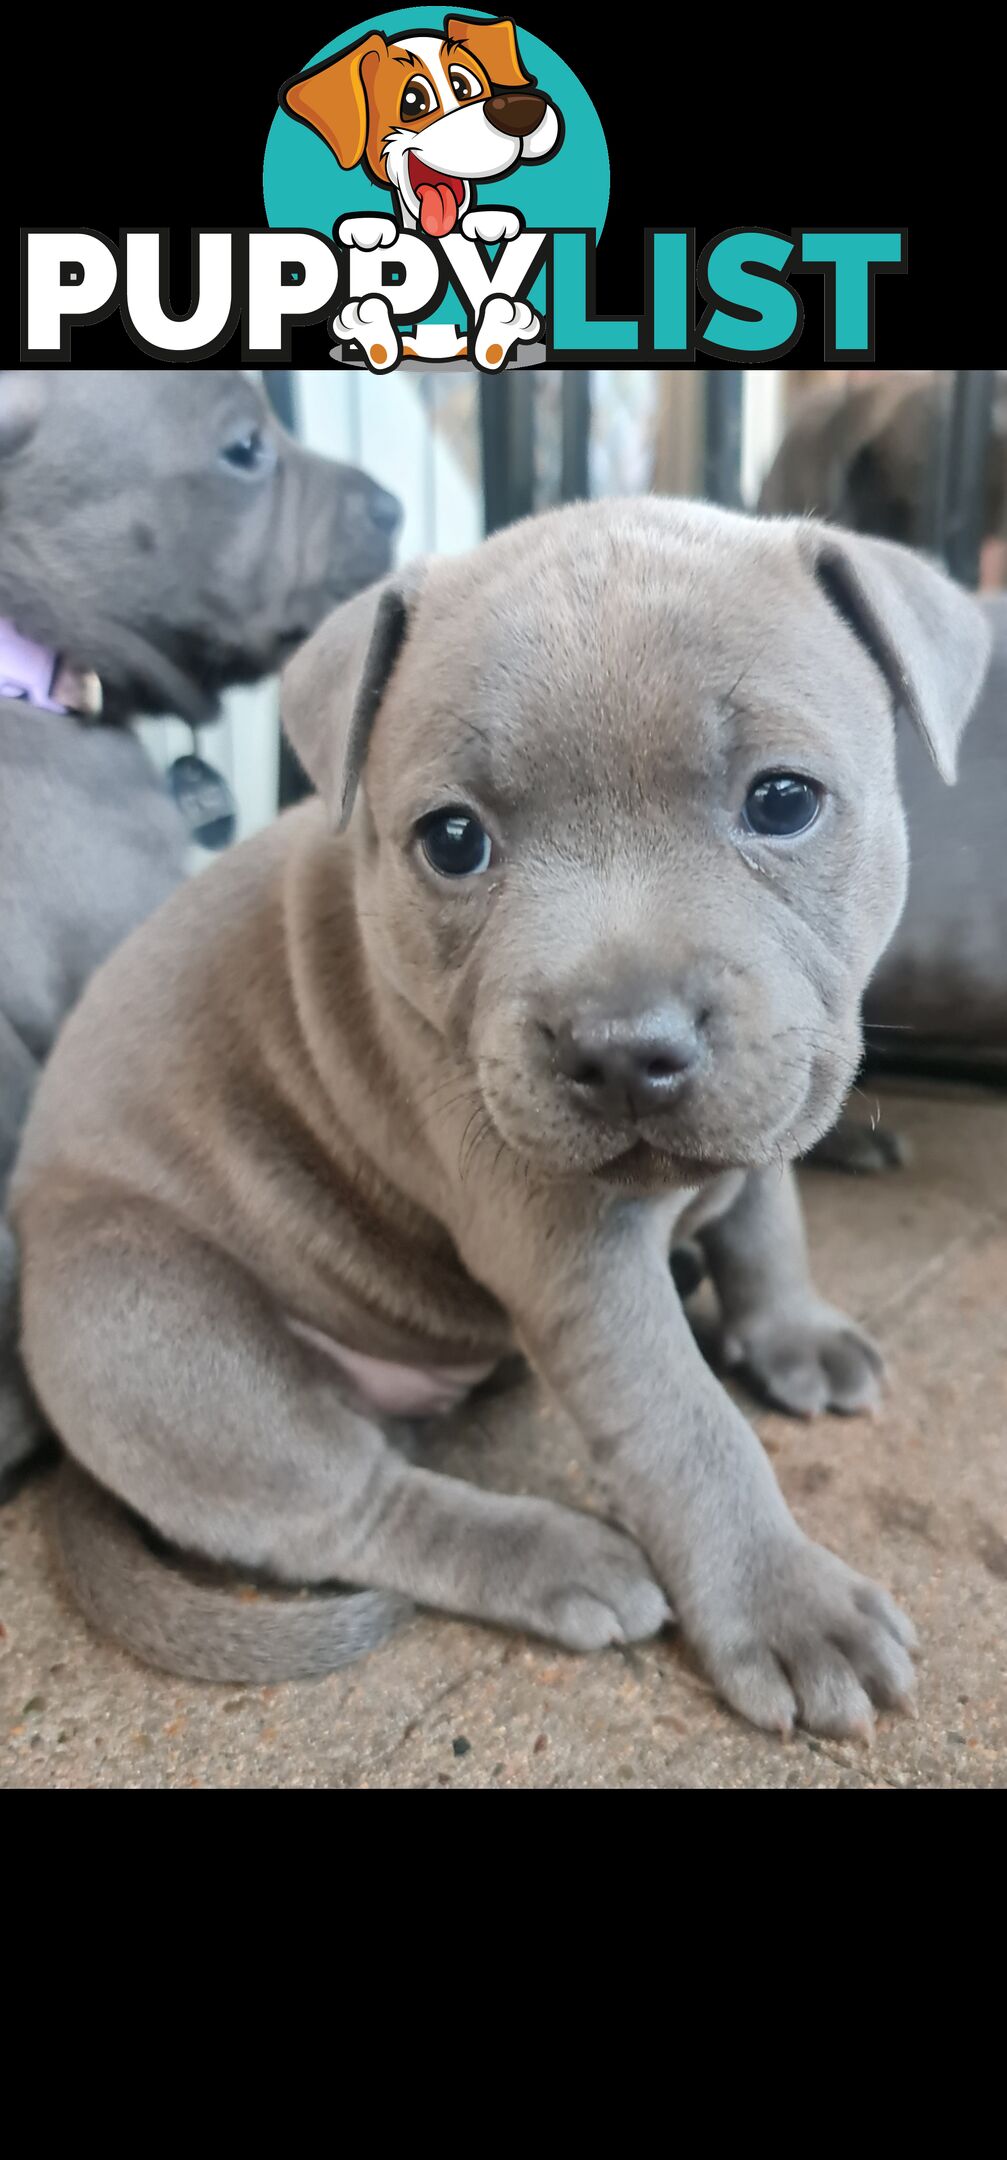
x,y
508,406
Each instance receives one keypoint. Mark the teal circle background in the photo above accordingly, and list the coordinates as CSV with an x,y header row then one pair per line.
x,y
304,186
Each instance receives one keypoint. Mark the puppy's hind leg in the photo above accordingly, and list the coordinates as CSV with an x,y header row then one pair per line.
x,y
860,1150
176,1384
800,1352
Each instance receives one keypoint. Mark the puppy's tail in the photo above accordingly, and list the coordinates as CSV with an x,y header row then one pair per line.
x,y
201,1632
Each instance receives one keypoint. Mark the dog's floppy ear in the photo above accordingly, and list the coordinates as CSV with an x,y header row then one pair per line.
x,y
332,99
494,45
929,638
333,686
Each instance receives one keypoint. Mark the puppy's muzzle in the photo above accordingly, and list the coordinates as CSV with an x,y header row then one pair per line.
x,y
626,1060
371,520
383,510
515,112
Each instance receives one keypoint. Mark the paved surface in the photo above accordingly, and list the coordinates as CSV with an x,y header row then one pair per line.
x,y
917,1497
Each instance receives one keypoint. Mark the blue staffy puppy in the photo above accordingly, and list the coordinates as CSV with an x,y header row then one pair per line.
x,y
565,962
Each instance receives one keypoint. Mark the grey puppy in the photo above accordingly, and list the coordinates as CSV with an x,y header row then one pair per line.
x,y
161,530
566,962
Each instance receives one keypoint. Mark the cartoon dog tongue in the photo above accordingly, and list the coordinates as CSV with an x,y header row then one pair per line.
x,y
438,208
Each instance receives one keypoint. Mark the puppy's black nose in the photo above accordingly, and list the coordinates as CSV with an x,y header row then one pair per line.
x,y
627,1063
516,112
385,510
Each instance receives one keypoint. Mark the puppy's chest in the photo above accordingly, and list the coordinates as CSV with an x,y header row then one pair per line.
x,y
355,1260
709,1204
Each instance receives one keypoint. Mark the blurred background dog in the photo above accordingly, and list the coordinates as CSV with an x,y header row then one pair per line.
x,y
868,453
162,538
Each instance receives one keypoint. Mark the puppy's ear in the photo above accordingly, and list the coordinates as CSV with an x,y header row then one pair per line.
x,y
494,45
334,685
928,637
332,98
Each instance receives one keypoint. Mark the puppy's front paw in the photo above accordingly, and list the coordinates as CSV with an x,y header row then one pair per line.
x,y
503,324
806,1361
369,323
810,1641
491,224
587,1585
367,232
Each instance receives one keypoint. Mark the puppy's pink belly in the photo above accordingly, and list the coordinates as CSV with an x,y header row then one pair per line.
x,y
398,1390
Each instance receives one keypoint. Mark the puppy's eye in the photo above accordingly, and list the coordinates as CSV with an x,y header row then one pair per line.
x,y
780,805
417,99
464,86
249,453
455,844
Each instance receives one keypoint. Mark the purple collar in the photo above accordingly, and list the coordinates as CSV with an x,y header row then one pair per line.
x,y
37,676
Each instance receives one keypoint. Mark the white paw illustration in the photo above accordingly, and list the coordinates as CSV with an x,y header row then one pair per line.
x,y
492,225
503,324
367,232
369,324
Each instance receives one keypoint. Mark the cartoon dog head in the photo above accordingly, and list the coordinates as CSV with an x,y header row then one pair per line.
x,y
427,114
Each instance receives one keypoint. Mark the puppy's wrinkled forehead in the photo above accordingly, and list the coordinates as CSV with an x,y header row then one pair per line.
x,y
626,651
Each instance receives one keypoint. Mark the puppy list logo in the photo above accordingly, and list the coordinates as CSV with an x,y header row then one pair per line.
x,y
436,194
432,155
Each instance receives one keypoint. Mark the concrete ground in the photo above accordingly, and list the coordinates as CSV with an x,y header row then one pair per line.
x,y
917,1498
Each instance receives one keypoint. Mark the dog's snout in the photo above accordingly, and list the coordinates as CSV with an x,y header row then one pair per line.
x,y
384,510
516,112
627,1061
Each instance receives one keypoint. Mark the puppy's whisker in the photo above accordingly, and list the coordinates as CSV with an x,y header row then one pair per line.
x,y
461,1145
440,1087
444,1108
868,1099
482,1131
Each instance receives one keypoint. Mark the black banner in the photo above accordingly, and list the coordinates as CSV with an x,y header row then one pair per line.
x,y
709,131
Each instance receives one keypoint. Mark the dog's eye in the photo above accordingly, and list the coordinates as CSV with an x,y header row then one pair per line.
x,y
464,86
249,453
417,99
779,805
455,844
